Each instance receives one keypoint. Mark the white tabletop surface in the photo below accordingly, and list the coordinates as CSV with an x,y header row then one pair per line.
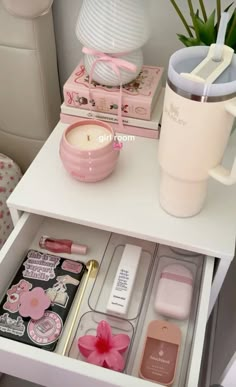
x,y
127,201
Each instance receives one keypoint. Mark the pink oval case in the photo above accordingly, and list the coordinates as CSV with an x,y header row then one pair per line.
x,y
174,292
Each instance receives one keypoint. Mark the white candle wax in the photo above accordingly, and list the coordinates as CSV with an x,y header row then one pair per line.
x,y
89,137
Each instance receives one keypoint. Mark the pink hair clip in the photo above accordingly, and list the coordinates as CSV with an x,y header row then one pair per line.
x,y
34,303
104,349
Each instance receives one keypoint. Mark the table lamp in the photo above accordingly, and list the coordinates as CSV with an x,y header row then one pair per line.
x,y
116,28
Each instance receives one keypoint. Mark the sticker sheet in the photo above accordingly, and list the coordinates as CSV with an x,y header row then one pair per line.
x,y
60,279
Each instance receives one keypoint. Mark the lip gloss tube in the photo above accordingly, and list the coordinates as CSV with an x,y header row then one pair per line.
x,y
61,246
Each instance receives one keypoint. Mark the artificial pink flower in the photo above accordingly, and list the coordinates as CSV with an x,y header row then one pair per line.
x,y
104,349
34,303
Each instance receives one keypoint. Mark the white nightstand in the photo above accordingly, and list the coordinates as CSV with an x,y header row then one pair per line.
x,y
125,203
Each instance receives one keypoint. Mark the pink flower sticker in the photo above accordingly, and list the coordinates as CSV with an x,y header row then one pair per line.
x,y
104,349
34,303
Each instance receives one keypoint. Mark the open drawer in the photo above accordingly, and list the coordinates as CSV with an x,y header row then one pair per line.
x,y
52,369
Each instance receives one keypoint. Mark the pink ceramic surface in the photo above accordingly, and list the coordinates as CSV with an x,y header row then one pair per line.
x,y
138,97
89,165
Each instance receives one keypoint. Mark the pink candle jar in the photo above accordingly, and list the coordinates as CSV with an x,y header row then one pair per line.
x,y
88,150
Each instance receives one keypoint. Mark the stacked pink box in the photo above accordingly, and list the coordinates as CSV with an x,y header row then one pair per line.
x,y
139,101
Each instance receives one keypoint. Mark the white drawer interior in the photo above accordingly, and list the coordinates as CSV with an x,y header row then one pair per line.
x,y
52,369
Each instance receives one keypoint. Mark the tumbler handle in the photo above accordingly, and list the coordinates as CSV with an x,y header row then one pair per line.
x,y
223,175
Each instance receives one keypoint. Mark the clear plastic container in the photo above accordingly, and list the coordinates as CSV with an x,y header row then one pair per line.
x,y
184,252
102,287
166,257
88,324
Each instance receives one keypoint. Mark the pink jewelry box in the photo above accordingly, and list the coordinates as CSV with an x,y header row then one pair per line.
x,y
174,292
138,97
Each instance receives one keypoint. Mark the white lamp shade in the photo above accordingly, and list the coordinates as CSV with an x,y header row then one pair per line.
x,y
113,26
104,74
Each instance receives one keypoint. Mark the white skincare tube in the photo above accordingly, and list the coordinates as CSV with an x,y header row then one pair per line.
x,y
124,280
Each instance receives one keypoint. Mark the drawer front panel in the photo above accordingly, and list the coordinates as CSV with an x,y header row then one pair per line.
x,y
52,369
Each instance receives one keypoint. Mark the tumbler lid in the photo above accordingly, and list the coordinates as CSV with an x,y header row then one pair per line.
x,y
185,61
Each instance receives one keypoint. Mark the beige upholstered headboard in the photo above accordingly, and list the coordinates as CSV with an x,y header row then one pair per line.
x,y
29,88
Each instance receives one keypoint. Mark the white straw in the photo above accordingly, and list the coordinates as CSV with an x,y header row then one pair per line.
x,y
217,56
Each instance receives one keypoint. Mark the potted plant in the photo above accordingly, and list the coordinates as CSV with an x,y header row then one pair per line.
x,y
203,28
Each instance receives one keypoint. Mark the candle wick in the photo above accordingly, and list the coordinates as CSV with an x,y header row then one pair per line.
x,y
88,137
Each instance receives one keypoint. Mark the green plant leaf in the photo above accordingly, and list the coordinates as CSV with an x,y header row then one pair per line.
x,y
218,11
180,14
188,42
231,31
203,9
225,10
207,32
193,17
198,16
228,8
206,28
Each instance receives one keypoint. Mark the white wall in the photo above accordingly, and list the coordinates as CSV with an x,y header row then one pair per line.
x,y
162,43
